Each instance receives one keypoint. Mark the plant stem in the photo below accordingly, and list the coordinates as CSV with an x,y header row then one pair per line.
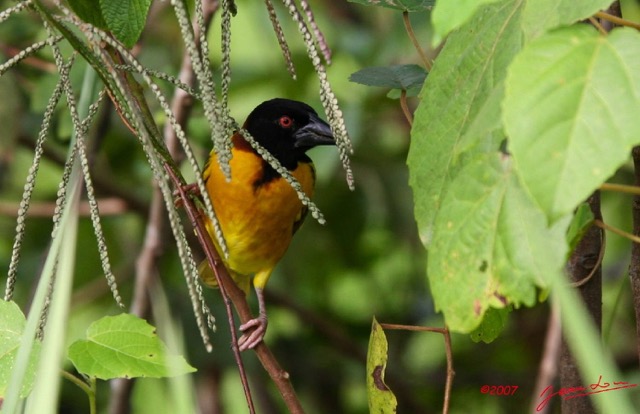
x,y
228,289
447,350
617,20
89,389
92,396
605,226
405,107
414,40
597,25
622,188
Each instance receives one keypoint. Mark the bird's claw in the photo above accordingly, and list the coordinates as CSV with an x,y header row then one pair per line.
x,y
253,333
192,189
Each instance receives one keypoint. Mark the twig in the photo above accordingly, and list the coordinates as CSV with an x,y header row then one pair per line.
x,y
603,247
548,369
597,25
617,231
111,206
230,291
223,279
337,337
447,350
617,20
622,188
32,61
405,107
105,183
414,40
89,389
146,275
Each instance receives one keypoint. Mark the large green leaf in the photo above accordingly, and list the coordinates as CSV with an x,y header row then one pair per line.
x,y
12,323
570,110
404,5
450,15
124,346
88,12
460,109
542,15
491,245
125,18
381,398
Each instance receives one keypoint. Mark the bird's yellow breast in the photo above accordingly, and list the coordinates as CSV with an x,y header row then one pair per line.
x,y
257,221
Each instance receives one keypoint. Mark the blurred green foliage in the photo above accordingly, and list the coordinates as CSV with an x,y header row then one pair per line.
x,y
367,260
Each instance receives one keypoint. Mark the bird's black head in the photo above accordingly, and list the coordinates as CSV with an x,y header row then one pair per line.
x,y
287,129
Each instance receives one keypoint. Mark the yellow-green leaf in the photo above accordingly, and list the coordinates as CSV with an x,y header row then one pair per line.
x,y
125,346
381,398
12,323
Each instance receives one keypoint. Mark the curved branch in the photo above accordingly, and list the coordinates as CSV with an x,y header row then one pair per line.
x,y
232,293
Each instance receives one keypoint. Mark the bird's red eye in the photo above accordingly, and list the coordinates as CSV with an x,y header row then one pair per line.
x,y
285,122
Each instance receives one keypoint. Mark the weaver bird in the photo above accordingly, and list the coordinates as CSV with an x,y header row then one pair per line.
x,y
257,209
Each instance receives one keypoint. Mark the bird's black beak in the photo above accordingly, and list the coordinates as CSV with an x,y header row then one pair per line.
x,y
316,132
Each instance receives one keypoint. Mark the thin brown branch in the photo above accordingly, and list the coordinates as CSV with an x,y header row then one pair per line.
x,y
33,61
228,288
339,340
231,292
617,231
597,25
622,188
105,184
108,207
405,107
147,262
146,275
414,40
617,20
447,350
548,369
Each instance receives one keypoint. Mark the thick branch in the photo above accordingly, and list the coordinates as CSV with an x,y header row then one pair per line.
x,y
584,263
634,266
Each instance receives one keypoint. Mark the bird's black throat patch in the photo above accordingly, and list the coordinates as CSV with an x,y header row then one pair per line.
x,y
269,174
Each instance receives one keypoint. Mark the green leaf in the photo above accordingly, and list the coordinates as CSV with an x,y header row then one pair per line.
x,y
12,324
381,398
543,15
125,346
448,16
580,223
492,325
460,110
404,5
407,77
88,12
125,18
571,105
491,245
